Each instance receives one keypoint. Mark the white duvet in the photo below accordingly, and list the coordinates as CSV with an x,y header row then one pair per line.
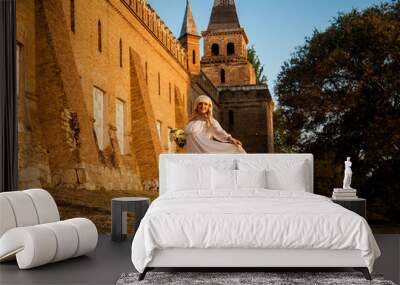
x,y
252,218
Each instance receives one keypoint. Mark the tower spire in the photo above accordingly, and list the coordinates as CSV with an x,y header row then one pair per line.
x,y
223,16
189,25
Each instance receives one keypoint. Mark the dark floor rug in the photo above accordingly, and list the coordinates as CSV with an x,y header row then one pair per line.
x,y
269,278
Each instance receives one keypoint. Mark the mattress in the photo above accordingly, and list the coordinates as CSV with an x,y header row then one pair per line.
x,y
250,219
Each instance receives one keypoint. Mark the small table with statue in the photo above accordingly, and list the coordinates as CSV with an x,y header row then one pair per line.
x,y
347,196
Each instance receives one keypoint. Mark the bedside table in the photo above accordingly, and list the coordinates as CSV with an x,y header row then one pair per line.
x,y
358,205
119,209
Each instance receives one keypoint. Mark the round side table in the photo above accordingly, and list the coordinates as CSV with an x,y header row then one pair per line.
x,y
119,208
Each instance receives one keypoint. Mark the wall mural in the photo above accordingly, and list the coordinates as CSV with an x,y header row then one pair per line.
x,y
92,121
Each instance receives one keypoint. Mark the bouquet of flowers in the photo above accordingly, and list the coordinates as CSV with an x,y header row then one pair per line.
x,y
178,136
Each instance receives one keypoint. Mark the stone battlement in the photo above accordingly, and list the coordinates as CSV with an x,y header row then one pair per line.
x,y
243,88
226,32
222,59
152,21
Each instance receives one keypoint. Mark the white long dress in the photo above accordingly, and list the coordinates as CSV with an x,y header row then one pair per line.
x,y
203,139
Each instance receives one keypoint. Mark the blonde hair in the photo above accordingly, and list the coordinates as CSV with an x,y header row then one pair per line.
x,y
209,117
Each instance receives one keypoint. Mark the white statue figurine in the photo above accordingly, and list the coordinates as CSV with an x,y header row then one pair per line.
x,y
347,174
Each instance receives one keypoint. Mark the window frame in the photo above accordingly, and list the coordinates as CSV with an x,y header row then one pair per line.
x,y
194,58
215,51
121,142
121,64
99,37
230,49
222,76
100,137
72,16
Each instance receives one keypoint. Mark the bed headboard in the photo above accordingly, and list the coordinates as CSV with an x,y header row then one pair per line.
x,y
215,159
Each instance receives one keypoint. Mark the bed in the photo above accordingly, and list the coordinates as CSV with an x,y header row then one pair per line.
x,y
248,211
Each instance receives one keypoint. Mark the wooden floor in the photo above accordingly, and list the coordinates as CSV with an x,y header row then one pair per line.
x,y
110,260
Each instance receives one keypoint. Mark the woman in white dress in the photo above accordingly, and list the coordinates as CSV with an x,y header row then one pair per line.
x,y
205,135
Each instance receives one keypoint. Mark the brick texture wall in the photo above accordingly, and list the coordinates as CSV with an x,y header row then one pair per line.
x,y
123,48
237,70
247,115
60,68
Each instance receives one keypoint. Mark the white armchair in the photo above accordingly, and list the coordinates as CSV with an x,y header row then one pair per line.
x,y
31,230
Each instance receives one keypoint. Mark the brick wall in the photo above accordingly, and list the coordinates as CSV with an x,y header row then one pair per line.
x,y
32,152
222,39
236,73
140,63
246,114
237,70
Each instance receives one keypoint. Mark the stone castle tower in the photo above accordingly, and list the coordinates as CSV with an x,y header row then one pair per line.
x,y
243,107
225,48
190,40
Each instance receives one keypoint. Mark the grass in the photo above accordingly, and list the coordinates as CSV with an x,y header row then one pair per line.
x,y
94,205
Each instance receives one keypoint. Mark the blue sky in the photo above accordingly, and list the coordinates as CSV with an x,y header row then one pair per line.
x,y
274,27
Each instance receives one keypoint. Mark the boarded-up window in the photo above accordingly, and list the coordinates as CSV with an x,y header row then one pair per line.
x,y
159,128
98,116
170,150
159,125
120,123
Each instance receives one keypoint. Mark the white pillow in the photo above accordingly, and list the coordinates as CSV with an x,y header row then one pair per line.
x,y
181,178
251,178
290,179
224,179
285,174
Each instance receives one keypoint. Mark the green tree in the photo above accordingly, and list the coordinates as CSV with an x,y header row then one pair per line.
x,y
253,58
339,95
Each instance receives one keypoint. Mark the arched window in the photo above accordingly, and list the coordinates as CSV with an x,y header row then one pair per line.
x,y
222,75
230,48
194,57
120,52
215,49
231,118
99,36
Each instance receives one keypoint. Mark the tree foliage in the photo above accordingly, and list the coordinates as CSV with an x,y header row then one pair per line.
x,y
253,58
339,96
